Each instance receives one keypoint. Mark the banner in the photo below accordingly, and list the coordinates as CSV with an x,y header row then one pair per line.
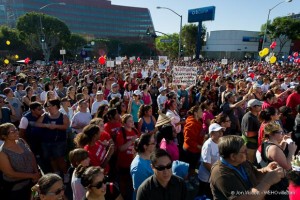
x,y
163,62
184,75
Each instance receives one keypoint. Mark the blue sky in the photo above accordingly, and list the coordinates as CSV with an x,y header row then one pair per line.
x,y
230,14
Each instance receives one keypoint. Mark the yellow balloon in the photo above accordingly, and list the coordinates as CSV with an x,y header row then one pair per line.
x,y
7,42
6,61
265,51
261,54
273,59
16,57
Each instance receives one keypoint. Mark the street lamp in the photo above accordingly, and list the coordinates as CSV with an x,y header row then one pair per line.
x,y
265,33
42,36
179,50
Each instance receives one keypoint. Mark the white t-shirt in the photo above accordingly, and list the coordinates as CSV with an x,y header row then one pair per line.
x,y
97,104
161,100
69,114
82,119
23,123
209,154
175,118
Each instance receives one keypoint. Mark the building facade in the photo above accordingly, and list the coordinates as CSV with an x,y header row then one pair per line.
x,y
92,18
236,44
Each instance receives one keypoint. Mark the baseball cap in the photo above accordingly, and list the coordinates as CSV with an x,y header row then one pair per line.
x,y
137,93
255,86
99,92
162,89
214,127
114,85
253,102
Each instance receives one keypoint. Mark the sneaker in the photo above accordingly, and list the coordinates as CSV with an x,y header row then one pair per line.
x,y
189,186
66,178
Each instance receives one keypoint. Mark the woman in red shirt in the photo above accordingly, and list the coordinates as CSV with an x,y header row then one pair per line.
x,y
126,137
193,138
89,140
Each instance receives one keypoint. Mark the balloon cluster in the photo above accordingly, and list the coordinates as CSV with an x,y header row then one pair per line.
x,y
295,58
269,56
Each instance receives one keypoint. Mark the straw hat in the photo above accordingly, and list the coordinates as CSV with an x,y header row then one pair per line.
x,y
162,119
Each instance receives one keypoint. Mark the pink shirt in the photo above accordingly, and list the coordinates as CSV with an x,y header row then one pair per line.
x,y
171,148
205,116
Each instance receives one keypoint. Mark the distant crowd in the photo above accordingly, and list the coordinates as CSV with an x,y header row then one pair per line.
x,y
88,131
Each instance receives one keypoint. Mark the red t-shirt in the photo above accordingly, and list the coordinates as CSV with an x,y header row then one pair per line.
x,y
112,128
104,136
96,153
261,133
292,101
125,157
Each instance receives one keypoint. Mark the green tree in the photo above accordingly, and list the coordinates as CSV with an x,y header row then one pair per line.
x,y
283,29
171,48
40,30
189,38
74,44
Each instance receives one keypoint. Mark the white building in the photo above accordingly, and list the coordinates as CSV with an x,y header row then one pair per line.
x,y
236,44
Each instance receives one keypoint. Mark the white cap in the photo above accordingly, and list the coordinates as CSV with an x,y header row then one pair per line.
x,y
253,102
214,127
137,93
162,89
99,92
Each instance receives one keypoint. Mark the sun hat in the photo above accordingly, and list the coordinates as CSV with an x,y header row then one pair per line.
x,y
162,119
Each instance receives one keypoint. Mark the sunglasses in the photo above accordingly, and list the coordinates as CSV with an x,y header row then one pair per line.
x,y
100,183
57,192
162,168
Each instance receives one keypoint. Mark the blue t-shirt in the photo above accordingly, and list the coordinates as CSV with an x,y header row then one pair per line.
x,y
135,109
140,170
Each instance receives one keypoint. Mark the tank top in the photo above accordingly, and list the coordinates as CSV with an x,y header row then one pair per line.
x,y
20,162
149,127
146,98
55,135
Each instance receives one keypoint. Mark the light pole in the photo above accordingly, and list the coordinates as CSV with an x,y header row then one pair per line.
x,y
179,49
265,33
42,35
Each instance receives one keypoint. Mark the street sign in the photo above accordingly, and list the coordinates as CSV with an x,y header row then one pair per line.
x,y
62,52
166,40
202,14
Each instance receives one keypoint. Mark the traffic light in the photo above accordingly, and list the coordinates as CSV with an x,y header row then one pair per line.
x,y
148,32
260,43
42,38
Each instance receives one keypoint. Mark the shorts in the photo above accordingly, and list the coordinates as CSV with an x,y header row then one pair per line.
x,y
54,149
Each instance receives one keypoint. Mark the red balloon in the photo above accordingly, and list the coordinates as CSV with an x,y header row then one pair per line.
x,y
296,60
273,45
131,61
27,60
101,60
296,54
60,62
138,59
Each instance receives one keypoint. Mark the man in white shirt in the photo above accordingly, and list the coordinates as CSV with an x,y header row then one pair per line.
x,y
162,98
99,101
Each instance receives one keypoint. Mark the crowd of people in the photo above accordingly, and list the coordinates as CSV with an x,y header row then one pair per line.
x,y
87,131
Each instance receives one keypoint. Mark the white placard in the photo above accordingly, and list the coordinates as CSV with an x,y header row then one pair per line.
x,y
110,63
224,61
119,60
62,52
187,58
163,62
184,75
132,58
150,62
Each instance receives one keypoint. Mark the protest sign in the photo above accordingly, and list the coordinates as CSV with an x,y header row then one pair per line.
x,y
119,60
163,62
110,63
150,62
224,61
184,75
